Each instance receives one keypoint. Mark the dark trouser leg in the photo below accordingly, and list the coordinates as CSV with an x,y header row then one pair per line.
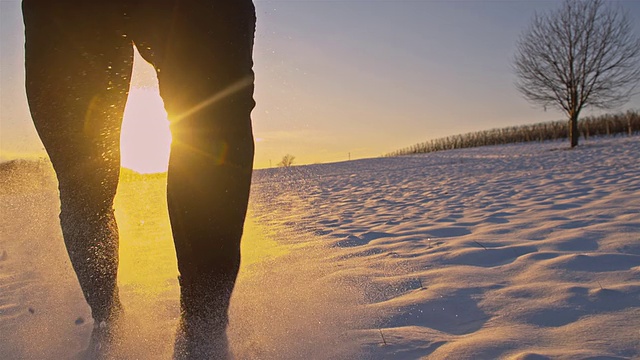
x,y
206,81
78,66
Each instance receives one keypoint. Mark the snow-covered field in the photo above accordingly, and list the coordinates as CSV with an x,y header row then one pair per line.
x,y
523,251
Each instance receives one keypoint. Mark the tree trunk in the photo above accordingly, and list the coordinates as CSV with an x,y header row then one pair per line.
x,y
573,130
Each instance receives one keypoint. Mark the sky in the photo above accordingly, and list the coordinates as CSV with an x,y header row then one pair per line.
x,y
348,79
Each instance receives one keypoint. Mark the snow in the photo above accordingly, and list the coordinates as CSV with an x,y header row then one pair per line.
x,y
526,251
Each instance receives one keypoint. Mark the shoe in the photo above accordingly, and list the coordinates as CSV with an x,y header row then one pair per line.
x,y
103,336
195,340
204,305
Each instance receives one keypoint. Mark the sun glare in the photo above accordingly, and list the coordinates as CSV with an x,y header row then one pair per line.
x,y
145,139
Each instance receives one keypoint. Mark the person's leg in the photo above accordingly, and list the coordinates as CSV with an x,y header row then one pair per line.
x,y
206,80
78,66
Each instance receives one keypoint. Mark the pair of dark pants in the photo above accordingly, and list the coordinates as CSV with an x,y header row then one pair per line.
x,y
78,65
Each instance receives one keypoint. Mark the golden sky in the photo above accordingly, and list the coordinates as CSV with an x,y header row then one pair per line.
x,y
339,79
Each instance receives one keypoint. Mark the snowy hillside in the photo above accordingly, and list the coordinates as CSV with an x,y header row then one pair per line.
x,y
524,251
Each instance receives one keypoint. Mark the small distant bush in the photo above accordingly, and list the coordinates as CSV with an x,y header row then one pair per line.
x,y
286,161
627,123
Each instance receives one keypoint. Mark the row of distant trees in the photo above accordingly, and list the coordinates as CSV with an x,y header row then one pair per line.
x,y
627,123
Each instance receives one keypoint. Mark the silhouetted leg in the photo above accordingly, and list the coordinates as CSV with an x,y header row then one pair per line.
x,y
78,67
206,81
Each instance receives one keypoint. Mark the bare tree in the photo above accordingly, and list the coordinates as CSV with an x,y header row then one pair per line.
x,y
585,54
286,161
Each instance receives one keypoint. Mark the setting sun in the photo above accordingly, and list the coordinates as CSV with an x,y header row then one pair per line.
x,y
145,140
